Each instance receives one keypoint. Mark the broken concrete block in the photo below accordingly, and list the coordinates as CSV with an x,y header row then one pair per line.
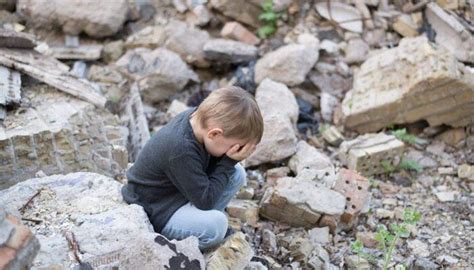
x,y
451,33
367,153
234,253
405,26
332,135
81,52
300,202
235,30
272,175
18,245
58,134
280,113
434,88
159,73
466,171
75,17
245,210
229,51
355,189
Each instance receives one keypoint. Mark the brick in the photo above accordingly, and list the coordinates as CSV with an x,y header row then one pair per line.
x,y
355,188
245,210
368,152
235,30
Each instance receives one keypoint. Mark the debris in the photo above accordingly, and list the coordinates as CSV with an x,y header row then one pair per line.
x,y
229,51
10,85
288,64
356,51
159,73
280,113
405,26
446,196
332,135
384,213
272,175
52,72
319,235
176,107
354,262
466,171
367,239
355,189
308,157
451,33
75,17
245,210
344,15
18,245
234,253
82,52
372,104
241,10
367,153
112,51
328,104
13,39
149,37
235,30
452,136
418,248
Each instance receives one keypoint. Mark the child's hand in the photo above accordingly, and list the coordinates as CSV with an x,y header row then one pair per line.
x,y
236,153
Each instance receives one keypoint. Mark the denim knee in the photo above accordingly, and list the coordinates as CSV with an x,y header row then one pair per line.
x,y
239,178
216,228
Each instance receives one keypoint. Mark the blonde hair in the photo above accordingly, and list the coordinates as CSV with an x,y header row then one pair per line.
x,y
233,110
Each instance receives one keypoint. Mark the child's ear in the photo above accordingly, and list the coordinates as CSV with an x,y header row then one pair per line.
x,y
214,132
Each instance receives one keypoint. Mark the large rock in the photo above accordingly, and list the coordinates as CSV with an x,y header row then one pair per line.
x,y
234,254
74,16
280,113
240,10
59,134
159,73
300,201
88,209
288,64
421,81
229,51
187,41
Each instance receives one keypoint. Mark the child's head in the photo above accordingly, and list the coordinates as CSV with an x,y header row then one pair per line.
x,y
229,116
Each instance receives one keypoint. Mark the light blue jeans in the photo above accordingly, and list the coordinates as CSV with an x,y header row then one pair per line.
x,y
209,226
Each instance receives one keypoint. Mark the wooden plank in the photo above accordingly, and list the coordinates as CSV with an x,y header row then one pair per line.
x,y
52,72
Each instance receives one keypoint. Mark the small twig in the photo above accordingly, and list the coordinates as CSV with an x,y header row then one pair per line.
x,y
37,221
73,245
23,208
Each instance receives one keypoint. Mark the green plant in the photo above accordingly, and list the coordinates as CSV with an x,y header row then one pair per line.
x,y
269,17
323,128
402,135
387,240
405,164
358,248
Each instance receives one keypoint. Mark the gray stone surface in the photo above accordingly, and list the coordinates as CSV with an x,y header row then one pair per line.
x,y
229,51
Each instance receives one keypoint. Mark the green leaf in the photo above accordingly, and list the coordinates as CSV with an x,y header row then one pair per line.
x,y
268,16
387,167
411,216
402,135
266,31
407,164
357,246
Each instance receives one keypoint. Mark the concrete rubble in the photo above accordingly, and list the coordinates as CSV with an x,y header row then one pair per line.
x,y
234,253
70,212
229,51
236,31
436,88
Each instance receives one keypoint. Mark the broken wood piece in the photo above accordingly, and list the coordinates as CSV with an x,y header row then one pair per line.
x,y
13,39
82,52
10,85
52,72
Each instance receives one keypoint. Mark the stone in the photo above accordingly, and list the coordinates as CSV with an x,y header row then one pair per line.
x,y
373,104
159,73
418,248
355,189
405,26
149,37
328,105
229,51
75,17
81,52
112,51
272,175
447,196
178,37
269,241
104,74
288,64
246,193
329,221
299,202
367,239
245,210
450,33
240,10
57,134
201,15
384,213
234,253
308,157
354,262
368,153
424,264
18,245
319,235
466,171
280,113
332,135
255,266
234,30
330,46
452,136
356,51
88,207
176,107
180,5
346,16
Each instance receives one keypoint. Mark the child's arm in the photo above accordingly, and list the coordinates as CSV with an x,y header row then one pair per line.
x,y
188,175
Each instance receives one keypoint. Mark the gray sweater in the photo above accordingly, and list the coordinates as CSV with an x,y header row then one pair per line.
x,y
172,169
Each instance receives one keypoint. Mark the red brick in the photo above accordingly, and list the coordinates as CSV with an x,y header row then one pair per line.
x,y
7,255
356,190
235,30
22,234
328,221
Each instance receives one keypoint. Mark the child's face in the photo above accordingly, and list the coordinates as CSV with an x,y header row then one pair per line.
x,y
217,144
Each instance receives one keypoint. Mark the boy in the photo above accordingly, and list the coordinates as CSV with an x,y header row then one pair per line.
x,y
187,173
